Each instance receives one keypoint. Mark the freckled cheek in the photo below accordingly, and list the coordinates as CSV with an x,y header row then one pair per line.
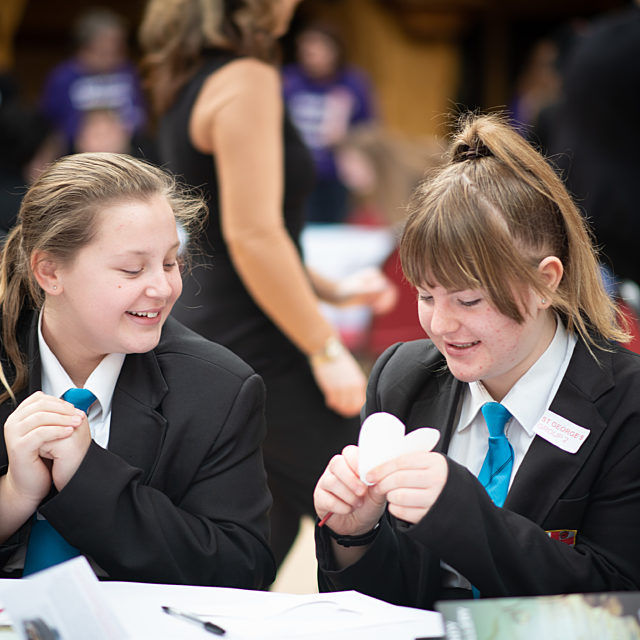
x,y
424,317
177,287
507,343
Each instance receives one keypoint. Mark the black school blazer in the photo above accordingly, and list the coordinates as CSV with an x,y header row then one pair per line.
x,y
180,495
507,551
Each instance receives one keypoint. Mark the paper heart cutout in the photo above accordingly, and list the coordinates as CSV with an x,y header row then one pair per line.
x,y
382,437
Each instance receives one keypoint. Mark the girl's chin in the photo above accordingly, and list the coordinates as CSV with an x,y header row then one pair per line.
x,y
464,374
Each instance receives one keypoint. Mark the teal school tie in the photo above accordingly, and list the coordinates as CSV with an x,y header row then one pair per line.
x,y
498,463
46,547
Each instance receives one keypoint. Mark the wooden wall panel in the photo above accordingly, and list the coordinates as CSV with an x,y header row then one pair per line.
x,y
10,16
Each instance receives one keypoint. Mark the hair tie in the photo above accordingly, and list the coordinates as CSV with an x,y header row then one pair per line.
x,y
467,152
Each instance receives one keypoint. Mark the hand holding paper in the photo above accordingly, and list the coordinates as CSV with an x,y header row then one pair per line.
x,y
382,438
340,490
402,468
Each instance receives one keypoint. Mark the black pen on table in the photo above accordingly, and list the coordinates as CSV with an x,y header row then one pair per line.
x,y
205,624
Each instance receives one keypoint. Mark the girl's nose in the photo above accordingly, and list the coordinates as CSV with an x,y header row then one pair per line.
x,y
159,286
443,319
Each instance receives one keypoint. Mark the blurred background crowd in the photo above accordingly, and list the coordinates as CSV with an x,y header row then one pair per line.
x,y
373,87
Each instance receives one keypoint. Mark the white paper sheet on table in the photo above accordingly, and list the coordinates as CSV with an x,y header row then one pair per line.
x,y
67,598
70,599
258,614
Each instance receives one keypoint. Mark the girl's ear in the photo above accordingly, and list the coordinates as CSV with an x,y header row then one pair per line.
x,y
551,270
46,272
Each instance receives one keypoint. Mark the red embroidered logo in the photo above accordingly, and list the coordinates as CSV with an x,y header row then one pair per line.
x,y
568,536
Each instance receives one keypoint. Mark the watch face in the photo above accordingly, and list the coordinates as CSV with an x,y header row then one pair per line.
x,y
333,348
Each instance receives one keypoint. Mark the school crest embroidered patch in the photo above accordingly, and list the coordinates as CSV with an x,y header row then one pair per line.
x,y
568,536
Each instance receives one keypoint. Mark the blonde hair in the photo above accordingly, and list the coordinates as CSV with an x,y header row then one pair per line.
x,y
174,34
488,217
59,215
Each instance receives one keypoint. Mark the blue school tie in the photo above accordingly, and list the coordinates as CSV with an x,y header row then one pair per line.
x,y
498,464
46,546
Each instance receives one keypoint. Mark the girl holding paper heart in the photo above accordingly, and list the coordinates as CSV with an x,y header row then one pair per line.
x,y
511,297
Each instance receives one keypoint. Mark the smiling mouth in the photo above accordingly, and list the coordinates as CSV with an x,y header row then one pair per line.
x,y
144,314
463,345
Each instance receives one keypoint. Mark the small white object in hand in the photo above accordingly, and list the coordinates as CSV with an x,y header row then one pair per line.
x,y
382,438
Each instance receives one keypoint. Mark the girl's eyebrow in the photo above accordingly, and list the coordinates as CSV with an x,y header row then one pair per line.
x,y
142,252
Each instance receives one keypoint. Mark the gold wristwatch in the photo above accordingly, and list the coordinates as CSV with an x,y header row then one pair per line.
x,y
331,350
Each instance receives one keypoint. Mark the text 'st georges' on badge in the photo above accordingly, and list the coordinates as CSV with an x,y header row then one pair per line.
x,y
561,432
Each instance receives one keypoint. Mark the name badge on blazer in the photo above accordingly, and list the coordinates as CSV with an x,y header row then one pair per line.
x,y
561,432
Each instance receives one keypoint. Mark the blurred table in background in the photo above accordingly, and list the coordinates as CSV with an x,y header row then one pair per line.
x,y
337,250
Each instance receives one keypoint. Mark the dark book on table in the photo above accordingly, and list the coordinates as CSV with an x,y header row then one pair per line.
x,y
586,616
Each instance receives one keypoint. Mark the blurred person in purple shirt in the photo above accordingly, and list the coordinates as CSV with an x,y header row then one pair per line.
x,y
325,98
98,76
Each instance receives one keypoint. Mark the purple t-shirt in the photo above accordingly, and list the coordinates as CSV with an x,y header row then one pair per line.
x,y
71,90
324,111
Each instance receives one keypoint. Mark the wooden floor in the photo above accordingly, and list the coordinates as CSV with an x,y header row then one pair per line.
x,y
298,571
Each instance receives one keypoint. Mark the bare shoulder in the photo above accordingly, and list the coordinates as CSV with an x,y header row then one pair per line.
x,y
242,77
244,82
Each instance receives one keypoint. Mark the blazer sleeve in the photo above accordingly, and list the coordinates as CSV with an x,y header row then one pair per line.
x,y
213,533
504,553
395,568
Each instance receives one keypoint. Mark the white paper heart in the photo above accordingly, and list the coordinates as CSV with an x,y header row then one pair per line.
x,y
382,437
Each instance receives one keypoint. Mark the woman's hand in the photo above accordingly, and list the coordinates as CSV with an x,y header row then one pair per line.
x,y
355,507
411,483
368,287
341,380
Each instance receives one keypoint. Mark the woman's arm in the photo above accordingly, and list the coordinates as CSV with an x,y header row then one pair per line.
x,y
238,117
368,286
239,112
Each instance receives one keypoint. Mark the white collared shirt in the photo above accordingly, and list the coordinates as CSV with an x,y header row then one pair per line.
x,y
527,401
102,382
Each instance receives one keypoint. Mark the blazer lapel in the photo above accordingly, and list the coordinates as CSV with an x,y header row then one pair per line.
x,y
547,468
439,410
137,427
